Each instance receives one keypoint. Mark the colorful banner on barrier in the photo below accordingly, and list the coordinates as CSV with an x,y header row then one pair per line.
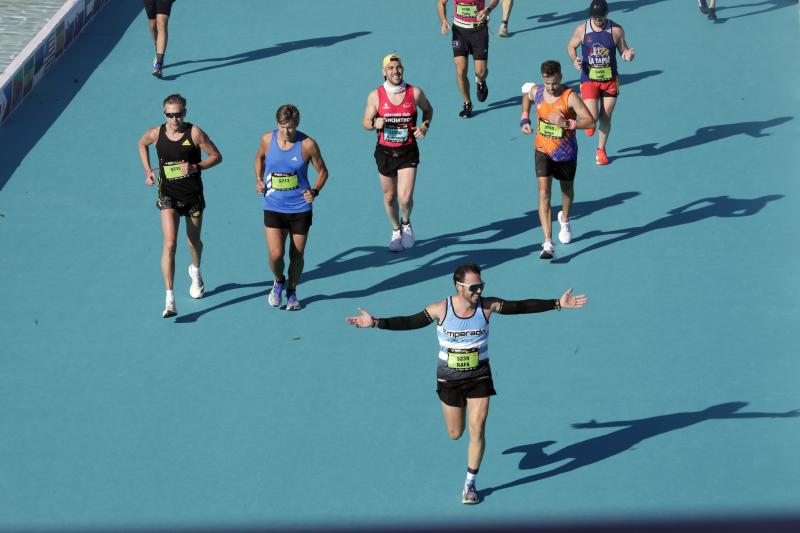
x,y
35,66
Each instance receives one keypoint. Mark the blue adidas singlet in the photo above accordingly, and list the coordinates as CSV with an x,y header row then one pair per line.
x,y
286,177
463,344
599,53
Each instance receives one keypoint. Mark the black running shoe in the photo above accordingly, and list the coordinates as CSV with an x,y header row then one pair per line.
x,y
703,6
157,70
483,91
712,14
466,112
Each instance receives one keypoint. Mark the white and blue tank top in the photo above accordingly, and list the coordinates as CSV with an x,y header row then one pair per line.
x,y
463,344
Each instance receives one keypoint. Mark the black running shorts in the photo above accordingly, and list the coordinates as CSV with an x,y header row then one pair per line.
x,y
157,7
560,170
295,223
390,160
193,208
473,41
455,393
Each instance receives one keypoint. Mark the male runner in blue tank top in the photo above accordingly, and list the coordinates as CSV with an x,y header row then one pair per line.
x,y
463,376
179,146
284,154
599,39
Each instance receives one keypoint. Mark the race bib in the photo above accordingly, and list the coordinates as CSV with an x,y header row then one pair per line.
x,y
172,171
467,11
462,359
285,182
550,130
395,135
600,73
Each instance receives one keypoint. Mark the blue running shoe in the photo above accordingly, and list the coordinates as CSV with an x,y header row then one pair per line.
x,y
276,295
292,303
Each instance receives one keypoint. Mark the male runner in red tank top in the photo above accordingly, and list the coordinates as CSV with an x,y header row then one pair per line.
x,y
470,36
391,110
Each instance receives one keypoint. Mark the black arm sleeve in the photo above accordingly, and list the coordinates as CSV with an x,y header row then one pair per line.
x,y
420,320
519,307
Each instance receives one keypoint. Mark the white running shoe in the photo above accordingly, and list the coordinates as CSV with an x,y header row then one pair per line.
x,y
565,235
396,244
197,289
407,239
548,252
503,30
169,309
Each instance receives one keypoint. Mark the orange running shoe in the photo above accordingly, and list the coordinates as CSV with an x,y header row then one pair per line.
x,y
589,132
601,157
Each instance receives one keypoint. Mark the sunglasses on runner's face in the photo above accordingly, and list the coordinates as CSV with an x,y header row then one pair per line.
x,y
473,288
174,115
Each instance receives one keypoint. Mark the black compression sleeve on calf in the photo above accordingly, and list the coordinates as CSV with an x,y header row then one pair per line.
x,y
420,320
519,307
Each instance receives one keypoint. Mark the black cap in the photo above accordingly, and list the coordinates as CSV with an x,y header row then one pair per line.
x,y
599,8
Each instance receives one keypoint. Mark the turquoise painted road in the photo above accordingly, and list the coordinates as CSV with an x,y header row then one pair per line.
x,y
674,393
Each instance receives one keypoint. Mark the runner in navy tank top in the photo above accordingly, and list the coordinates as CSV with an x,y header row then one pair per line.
x,y
463,376
284,155
391,111
599,39
179,146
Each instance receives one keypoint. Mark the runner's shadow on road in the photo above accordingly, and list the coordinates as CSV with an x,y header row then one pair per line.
x,y
444,264
705,135
705,208
262,53
365,257
516,101
770,5
600,448
554,19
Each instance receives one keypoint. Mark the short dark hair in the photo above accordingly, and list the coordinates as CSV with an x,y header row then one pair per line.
x,y
551,67
175,99
287,113
461,272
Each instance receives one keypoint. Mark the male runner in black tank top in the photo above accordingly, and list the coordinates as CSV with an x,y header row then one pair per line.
x,y
179,146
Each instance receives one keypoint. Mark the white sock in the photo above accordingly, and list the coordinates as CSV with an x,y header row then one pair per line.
x,y
170,295
194,269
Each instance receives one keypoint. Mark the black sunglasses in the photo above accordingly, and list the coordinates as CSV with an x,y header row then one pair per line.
x,y
475,287
174,115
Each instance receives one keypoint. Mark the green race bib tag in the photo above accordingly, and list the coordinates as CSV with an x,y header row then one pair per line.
x,y
550,130
172,171
469,11
462,359
395,135
600,73
285,182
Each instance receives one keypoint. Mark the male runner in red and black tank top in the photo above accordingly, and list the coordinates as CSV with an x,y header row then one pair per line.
x,y
180,190
392,111
470,36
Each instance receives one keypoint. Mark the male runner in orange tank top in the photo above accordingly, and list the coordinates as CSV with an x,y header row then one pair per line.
x,y
557,111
